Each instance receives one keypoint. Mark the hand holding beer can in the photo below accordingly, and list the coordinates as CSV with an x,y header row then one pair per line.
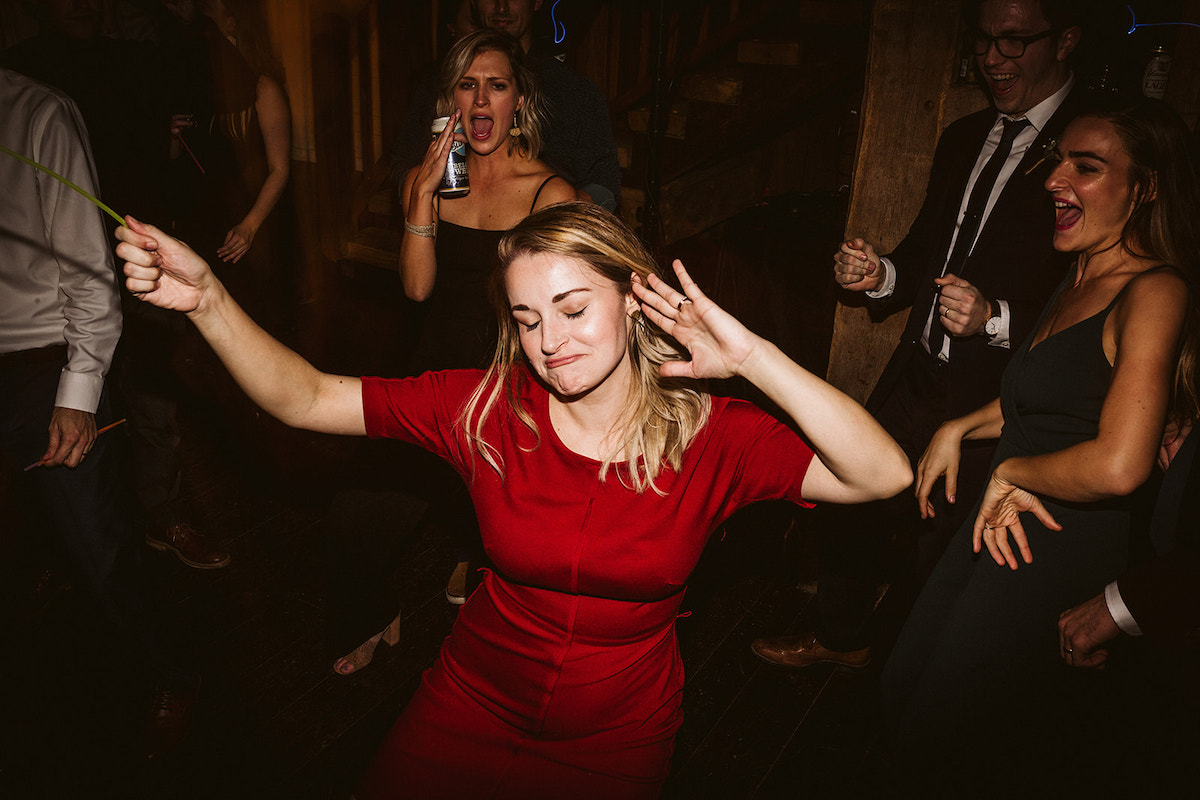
x,y
455,182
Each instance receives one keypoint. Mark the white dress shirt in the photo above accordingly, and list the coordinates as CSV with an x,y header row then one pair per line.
x,y
57,280
1038,117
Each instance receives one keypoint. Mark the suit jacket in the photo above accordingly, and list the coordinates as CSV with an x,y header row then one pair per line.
x,y
1013,258
1163,593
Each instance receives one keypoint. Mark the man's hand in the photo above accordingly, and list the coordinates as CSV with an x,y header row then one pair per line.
x,y
72,434
1083,629
856,266
963,309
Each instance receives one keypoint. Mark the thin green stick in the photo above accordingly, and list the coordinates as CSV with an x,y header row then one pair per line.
x,y
61,179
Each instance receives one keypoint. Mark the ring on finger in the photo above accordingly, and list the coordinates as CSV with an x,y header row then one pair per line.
x,y
679,305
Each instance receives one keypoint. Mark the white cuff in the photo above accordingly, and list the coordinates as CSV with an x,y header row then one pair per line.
x,y
889,281
1120,613
79,391
1001,339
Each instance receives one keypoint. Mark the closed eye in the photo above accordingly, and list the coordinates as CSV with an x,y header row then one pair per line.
x,y
577,314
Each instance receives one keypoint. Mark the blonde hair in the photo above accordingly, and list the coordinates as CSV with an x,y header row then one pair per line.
x,y
665,414
530,117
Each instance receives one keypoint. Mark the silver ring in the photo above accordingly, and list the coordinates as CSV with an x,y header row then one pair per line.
x,y
1068,651
679,307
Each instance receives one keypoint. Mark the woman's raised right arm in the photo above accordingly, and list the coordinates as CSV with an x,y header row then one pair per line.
x,y
418,259
942,454
165,272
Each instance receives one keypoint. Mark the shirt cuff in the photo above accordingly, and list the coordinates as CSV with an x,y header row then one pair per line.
x,y
1001,339
889,281
1119,611
79,391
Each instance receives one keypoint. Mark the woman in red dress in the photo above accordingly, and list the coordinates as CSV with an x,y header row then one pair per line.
x,y
598,468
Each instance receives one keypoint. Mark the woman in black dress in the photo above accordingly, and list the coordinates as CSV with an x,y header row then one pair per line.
x,y
1080,418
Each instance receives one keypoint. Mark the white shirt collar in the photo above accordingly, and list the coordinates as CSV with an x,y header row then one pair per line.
x,y
1040,114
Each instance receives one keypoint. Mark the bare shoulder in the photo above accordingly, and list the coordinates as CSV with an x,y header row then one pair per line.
x,y
554,189
1159,285
270,90
1155,299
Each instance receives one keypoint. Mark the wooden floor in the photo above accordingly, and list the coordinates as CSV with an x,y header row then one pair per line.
x,y
274,721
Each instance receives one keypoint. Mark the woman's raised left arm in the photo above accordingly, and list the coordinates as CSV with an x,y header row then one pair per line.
x,y
855,460
1142,337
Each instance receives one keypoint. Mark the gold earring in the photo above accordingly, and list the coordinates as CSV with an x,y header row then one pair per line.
x,y
515,130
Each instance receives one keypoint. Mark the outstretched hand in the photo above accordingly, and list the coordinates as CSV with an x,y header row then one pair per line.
x,y
719,345
160,269
941,458
999,515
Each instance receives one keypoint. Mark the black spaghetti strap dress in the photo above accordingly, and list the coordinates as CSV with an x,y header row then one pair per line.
x,y
980,647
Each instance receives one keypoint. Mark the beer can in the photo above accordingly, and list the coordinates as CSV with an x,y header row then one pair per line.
x,y
455,182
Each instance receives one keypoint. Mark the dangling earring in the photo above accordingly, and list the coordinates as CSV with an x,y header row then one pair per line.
x,y
515,130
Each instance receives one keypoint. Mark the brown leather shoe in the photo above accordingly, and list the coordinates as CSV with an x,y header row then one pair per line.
x,y
803,650
456,587
169,721
192,548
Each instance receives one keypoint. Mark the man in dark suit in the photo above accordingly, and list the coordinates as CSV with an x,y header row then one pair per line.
x,y
1158,598
1133,726
976,268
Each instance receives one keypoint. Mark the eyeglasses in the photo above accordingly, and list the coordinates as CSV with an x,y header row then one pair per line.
x,y
1006,46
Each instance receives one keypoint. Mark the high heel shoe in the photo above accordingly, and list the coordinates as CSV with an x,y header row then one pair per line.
x,y
361,655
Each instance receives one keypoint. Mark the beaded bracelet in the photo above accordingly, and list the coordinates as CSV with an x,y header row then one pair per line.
x,y
428,231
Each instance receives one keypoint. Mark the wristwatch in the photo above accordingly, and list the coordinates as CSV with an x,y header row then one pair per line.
x,y
992,326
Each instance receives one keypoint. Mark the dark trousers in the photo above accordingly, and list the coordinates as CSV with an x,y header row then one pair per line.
x,y
150,392
83,509
865,545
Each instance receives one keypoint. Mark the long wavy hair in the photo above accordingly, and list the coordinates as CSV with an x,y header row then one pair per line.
x,y
530,117
1165,222
664,414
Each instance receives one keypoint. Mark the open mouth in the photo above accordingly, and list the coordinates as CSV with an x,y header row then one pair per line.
x,y
1001,82
481,127
1065,215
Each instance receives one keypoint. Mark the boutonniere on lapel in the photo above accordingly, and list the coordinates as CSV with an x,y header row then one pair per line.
x,y
1049,153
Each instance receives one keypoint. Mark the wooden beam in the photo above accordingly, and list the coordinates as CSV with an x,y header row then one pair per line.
x,y
332,116
910,70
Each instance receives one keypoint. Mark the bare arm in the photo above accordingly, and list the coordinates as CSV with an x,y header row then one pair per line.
x,y
274,120
557,191
1144,329
943,453
165,272
1141,336
855,459
418,260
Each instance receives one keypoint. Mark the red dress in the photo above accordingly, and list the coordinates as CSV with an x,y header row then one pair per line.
x,y
562,676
